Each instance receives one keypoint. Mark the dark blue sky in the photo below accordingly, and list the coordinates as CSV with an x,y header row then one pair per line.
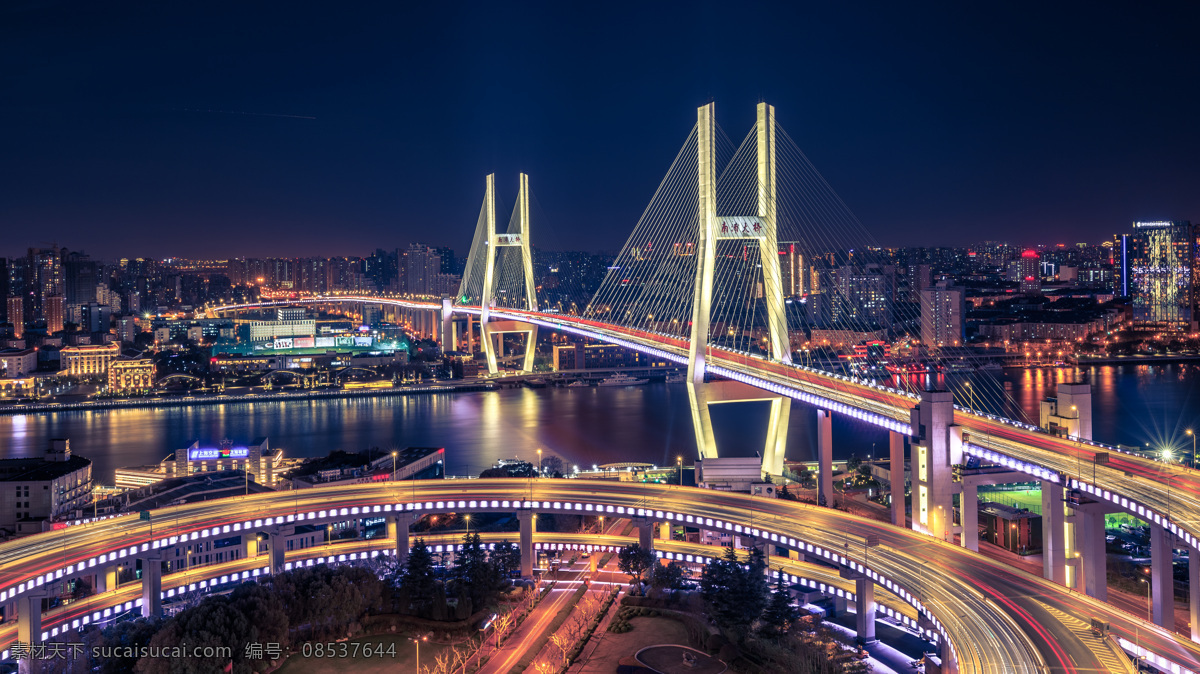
x,y
938,124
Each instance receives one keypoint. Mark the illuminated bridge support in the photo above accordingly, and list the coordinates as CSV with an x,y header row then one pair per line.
x,y
152,584
447,338
968,501
278,549
701,394
897,471
1054,533
105,578
645,527
520,241
1089,530
528,521
399,529
938,450
29,627
825,458
1162,577
864,599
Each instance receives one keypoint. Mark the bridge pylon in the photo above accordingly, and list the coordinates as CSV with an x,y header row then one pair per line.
x,y
762,230
494,242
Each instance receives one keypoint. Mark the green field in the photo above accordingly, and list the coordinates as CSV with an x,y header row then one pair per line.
x,y
1032,499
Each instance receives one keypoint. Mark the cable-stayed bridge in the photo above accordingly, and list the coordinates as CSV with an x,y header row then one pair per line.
x,y
700,283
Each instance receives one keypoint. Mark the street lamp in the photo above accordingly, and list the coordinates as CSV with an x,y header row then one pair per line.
x,y
1189,432
418,643
539,473
468,518
393,466
679,462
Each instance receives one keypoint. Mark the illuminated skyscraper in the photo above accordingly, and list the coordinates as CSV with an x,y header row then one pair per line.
x,y
791,269
1158,265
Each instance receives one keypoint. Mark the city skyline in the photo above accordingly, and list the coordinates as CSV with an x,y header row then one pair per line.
x,y
213,138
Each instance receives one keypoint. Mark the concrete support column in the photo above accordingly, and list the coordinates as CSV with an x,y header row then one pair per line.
x,y
447,317
106,578
825,458
645,527
278,549
1089,529
1162,579
470,334
1054,539
896,468
865,598
968,507
399,529
29,629
1194,592
528,526
250,544
664,531
152,586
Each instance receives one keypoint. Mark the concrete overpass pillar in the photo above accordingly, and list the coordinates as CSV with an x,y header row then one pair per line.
x,y
399,530
865,599
447,318
106,579
896,467
1162,577
663,531
645,527
278,549
825,458
470,334
152,586
1194,592
968,507
528,526
933,459
1054,535
1089,529
29,628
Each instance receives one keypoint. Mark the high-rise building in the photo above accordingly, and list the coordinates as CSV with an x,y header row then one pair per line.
x,y
52,311
421,266
942,309
861,299
4,289
1029,272
1158,264
45,270
920,277
94,317
791,269
80,277
16,315
127,329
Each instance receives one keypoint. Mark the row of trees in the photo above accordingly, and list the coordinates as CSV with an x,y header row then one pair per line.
x,y
740,598
475,580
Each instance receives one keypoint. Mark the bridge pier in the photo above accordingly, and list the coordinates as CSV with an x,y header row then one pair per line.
x,y
864,600
1054,534
1092,576
528,527
896,468
938,450
645,527
1162,577
825,458
447,336
29,628
278,548
399,530
106,578
1194,592
968,508
152,584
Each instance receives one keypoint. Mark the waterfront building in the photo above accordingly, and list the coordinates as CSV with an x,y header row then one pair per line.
x,y
89,360
263,463
264,331
39,490
1158,262
131,376
411,463
17,362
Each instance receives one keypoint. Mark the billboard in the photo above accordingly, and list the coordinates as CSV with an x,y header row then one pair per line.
x,y
214,453
362,341
325,341
344,341
304,342
283,343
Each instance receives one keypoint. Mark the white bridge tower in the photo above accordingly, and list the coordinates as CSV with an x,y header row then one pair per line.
x,y
493,243
760,228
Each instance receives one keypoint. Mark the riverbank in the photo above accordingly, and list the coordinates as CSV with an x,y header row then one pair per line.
x,y
189,401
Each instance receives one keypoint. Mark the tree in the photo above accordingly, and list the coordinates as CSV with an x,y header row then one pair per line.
x,y
419,588
472,574
506,557
669,577
554,466
267,617
633,560
779,614
736,593
128,634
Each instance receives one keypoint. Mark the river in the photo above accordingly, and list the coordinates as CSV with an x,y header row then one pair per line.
x,y
1132,405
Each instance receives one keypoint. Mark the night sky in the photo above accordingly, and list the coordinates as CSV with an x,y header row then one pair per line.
x,y
295,129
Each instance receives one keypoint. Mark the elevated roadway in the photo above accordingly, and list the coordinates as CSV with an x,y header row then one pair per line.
x,y
996,618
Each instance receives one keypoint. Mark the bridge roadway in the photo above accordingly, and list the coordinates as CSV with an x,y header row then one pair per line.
x,y
996,618
71,615
1135,484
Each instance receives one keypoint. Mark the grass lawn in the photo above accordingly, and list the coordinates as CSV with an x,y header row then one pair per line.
x,y
404,661
1024,498
646,631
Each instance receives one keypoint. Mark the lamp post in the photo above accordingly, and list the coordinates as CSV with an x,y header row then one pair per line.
x,y
539,471
118,583
679,463
393,466
418,641
1189,432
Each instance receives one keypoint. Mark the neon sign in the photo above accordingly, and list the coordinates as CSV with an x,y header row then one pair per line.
x,y
210,454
